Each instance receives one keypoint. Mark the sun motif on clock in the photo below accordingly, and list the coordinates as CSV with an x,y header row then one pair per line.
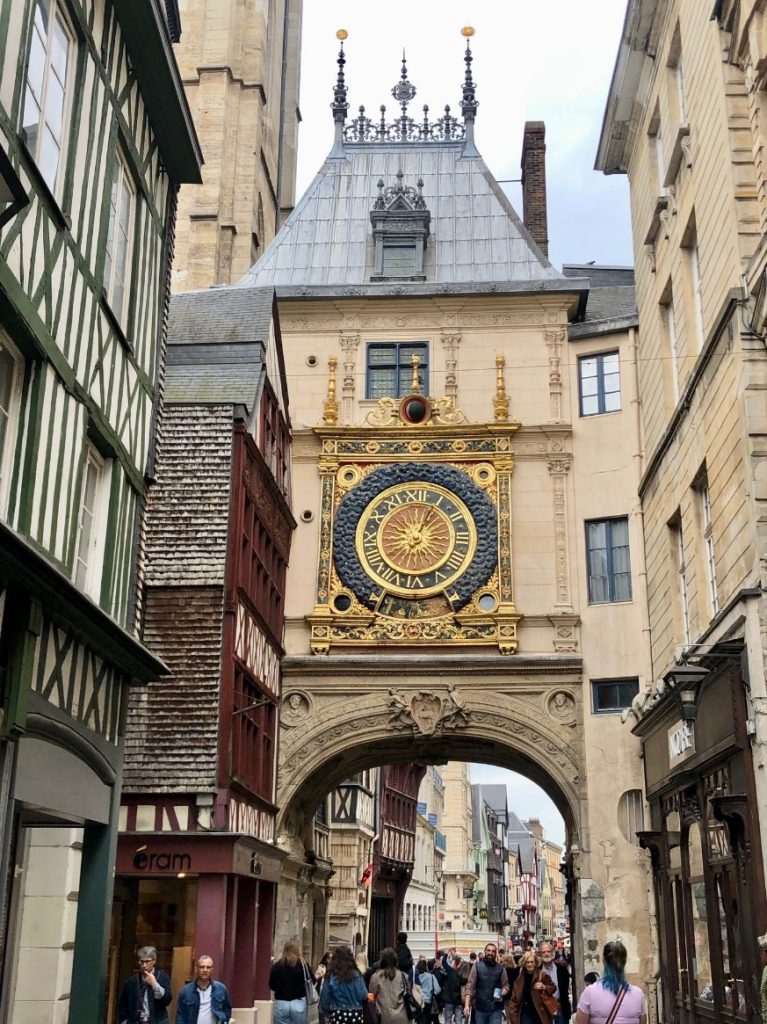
x,y
415,538
414,545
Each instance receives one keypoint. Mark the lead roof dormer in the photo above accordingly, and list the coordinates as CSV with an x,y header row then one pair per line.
x,y
400,221
453,232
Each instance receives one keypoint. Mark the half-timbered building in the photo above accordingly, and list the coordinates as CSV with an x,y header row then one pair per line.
x,y
198,861
96,134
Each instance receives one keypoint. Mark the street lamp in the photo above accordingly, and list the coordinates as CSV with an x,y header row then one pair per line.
x,y
684,680
438,876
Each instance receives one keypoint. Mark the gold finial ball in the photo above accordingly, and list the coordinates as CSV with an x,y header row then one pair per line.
x,y
342,34
467,31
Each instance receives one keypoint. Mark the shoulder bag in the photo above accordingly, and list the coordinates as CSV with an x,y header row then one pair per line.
x,y
616,1006
312,995
409,1000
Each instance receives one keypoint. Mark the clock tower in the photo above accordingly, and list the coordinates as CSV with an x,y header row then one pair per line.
x,y
415,544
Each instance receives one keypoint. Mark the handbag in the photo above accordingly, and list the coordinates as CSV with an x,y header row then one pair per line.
x,y
312,995
551,1004
409,1000
371,1012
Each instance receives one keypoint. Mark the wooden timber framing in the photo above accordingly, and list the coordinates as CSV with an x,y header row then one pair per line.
x,y
83,319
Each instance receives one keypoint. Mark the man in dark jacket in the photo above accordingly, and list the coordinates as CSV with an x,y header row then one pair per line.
x,y
487,986
203,998
404,956
145,997
560,975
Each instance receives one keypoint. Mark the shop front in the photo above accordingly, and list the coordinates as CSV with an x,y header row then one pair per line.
x,y
705,845
192,894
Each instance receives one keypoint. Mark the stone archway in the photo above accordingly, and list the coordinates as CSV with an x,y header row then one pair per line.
x,y
340,716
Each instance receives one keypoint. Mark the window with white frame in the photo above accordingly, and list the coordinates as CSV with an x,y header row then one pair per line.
x,y
92,522
599,380
11,369
117,259
697,295
708,542
676,94
48,89
677,537
669,323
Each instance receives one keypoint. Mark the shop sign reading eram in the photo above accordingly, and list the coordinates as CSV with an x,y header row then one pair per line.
x,y
681,742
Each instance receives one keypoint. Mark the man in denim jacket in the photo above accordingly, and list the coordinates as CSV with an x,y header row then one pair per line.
x,y
203,1001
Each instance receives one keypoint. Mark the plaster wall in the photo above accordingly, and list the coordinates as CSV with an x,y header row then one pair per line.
x,y
702,384
567,469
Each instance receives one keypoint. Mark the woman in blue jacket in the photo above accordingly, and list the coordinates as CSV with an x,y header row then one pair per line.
x,y
344,991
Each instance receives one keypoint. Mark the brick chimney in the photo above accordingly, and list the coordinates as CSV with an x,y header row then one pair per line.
x,y
534,183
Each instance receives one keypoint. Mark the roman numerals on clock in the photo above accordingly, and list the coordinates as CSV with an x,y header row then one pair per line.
x,y
416,539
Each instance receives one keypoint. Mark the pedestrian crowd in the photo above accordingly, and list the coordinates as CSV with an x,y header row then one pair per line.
x,y
526,987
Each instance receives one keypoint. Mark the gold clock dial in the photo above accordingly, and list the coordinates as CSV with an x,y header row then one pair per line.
x,y
416,539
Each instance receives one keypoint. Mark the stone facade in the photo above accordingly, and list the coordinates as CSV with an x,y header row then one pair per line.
x,y
685,122
240,67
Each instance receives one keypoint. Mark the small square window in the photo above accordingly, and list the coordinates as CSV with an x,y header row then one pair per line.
x,y
390,369
611,695
399,260
599,381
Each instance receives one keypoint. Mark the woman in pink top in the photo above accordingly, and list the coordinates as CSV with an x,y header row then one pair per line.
x,y
598,1000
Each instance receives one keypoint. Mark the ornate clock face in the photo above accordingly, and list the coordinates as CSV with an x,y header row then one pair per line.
x,y
414,532
416,539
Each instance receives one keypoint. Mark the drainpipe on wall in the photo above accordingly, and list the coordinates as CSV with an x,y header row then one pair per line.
x,y
640,460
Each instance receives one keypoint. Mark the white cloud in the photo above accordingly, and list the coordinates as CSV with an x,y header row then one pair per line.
x,y
549,61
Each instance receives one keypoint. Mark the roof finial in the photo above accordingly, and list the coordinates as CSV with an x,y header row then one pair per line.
x,y
339,106
469,98
330,405
415,383
501,401
403,92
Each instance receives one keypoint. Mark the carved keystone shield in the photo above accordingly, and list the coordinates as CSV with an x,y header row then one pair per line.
x,y
426,709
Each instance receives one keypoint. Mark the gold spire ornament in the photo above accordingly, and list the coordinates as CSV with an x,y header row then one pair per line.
x,y
415,384
330,405
501,401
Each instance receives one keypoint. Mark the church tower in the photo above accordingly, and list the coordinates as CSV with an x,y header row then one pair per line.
x,y
240,66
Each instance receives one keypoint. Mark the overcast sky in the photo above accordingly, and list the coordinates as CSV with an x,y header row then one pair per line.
x,y
545,61
526,799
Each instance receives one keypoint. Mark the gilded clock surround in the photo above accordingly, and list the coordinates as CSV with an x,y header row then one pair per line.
x,y
415,533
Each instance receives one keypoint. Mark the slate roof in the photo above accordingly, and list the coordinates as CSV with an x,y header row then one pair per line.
x,y
326,244
217,341
611,303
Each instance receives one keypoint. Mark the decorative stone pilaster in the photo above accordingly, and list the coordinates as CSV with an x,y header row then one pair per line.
x,y
566,637
559,466
554,341
450,343
349,344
